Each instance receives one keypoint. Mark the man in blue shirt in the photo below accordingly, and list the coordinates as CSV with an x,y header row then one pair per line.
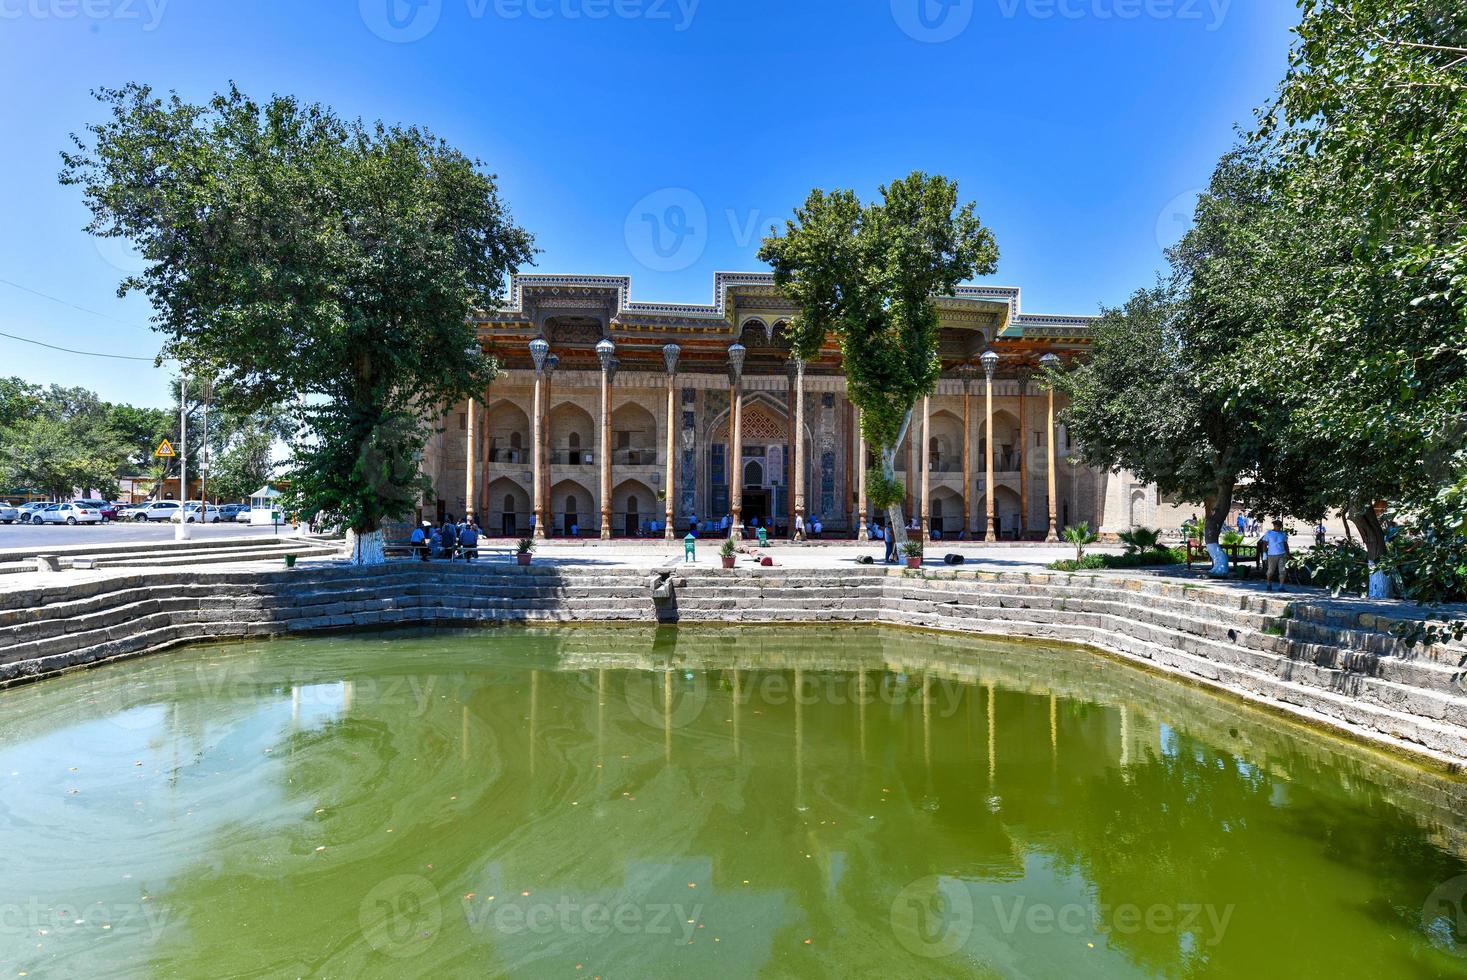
x,y
468,540
1276,545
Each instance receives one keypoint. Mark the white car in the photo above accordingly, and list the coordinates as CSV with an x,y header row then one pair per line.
x,y
8,514
191,513
28,511
158,510
68,514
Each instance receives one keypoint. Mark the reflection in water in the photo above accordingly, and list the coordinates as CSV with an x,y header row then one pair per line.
x,y
701,802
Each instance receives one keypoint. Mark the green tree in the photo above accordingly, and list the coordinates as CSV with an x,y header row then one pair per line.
x,y
1159,395
291,252
1370,131
868,275
65,444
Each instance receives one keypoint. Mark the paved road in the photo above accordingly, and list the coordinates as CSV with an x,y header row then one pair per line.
x,y
56,535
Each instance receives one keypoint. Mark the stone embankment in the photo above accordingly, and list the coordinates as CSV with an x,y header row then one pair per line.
x,y
1322,661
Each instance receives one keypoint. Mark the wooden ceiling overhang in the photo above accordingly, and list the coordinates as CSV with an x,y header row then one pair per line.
x,y
575,313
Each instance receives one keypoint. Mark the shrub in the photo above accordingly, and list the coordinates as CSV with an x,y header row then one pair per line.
x,y
913,548
1144,559
525,546
1141,539
1340,567
727,550
1080,535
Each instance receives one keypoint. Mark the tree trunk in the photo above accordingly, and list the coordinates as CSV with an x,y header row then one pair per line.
x,y
1372,535
1345,520
894,515
366,547
1217,508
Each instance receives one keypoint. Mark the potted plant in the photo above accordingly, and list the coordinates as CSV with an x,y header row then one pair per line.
x,y
913,550
524,550
727,553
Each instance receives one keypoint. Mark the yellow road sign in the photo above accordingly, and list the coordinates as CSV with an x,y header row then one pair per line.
x,y
166,450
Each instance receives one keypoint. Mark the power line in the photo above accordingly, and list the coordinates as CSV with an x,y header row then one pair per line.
x,y
68,350
57,299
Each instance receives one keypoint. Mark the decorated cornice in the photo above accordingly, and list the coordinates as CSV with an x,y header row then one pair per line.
x,y
739,297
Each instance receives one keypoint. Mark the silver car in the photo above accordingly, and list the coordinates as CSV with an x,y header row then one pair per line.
x,y
8,514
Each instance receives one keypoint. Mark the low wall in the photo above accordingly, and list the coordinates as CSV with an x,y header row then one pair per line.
x,y
1318,660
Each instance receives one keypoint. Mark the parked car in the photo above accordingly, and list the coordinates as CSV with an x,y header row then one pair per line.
x,y
28,511
230,512
8,514
194,512
68,514
108,511
157,510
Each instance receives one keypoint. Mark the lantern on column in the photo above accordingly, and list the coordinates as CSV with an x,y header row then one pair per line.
x,y
551,363
1050,361
736,354
990,363
606,351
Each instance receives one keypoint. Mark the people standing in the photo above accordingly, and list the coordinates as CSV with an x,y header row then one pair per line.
x,y
449,538
1276,544
1319,535
890,539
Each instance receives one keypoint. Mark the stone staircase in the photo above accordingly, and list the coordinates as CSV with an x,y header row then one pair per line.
x,y
1325,662
165,553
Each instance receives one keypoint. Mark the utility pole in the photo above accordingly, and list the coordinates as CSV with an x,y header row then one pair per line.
x,y
182,532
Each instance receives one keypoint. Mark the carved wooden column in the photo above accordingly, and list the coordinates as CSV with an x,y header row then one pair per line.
x,y
798,477
606,351
789,449
925,504
1024,374
486,468
670,354
863,533
736,428
990,362
551,363
469,460
1051,363
538,349
967,375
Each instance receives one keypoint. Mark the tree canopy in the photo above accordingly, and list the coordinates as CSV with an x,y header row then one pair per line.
x,y
290,252
869,276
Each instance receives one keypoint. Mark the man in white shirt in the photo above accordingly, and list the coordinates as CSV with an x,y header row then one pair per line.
x,y
1276,543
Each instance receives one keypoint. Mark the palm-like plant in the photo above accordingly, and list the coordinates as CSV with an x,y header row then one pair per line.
x,y
1080,535
1140,540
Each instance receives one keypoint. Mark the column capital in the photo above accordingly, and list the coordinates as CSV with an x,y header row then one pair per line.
x,y
606,352
670,355
736,353
990,363
539,348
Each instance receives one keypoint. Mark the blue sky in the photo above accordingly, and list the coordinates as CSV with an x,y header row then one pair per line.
x,y
1080,127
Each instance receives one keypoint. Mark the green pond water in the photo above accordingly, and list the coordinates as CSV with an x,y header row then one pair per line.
x,y
682,802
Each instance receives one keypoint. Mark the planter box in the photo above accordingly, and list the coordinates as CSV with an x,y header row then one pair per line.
x,y
523,559
914,562
728,560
